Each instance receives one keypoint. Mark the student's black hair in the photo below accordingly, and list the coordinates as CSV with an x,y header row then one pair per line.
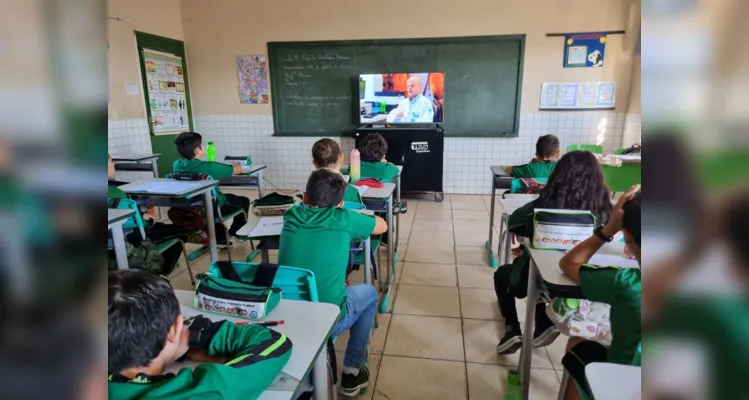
x,y
577,184
187,142
325,152
142,309
631,221
547,146
325,188
373,148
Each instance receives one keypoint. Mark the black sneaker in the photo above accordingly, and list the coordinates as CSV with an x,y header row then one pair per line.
x,y
354,385
545,332
511,341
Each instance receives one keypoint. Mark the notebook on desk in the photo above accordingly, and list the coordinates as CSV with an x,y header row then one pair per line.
x,y
165,186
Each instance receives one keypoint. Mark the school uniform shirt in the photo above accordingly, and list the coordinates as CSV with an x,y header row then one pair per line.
x,y
318,239
257,354
538,169
379,170
352,195
622,290
418,109
215,169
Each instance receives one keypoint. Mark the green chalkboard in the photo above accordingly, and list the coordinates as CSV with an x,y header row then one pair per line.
x,y
315,92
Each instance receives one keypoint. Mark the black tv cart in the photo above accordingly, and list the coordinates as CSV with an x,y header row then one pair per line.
x,y
419,150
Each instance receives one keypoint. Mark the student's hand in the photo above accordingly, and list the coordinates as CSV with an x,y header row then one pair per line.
x,y
148,217
201,356
615,221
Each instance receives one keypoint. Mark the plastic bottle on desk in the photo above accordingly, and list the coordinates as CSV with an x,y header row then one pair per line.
x,y
210,152
355,170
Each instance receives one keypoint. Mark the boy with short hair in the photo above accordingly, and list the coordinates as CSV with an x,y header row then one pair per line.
x,y
373,149
146,334
619,287
326,153
547,154
317,236
191,147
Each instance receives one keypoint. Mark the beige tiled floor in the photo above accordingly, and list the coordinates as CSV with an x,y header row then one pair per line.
x,y
438,339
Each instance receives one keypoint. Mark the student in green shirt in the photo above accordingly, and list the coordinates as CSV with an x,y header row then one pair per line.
x,y
155,231
317,236
373,149
327,154
547,154
146,333
618,287
191,147
576,184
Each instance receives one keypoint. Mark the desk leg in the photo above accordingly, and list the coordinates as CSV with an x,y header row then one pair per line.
x,y
260,190
397,216
118,237
492,257
530,317
368,262
211,224
155,168
501,232
391,242
508,239
320,375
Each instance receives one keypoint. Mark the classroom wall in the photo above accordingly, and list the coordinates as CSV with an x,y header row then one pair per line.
x,y
632,123
128,127
217,31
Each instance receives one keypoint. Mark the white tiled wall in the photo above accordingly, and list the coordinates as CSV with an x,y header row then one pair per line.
x,y
129,136
467,160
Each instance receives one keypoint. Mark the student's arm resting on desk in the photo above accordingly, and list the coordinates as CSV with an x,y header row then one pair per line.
x,y
363,226
238,170
255,353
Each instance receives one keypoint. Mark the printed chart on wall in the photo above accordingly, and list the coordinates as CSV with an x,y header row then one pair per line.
x,y
166,92
578,96
252,72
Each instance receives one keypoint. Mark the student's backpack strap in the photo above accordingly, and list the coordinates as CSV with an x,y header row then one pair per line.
x,y
227,271
265,275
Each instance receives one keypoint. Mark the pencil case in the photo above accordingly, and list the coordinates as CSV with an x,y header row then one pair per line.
x,y
222,291
560,229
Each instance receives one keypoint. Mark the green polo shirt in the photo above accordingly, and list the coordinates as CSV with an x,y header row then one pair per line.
x,y
538,169
318,239
379,170
215,169
352,195
113,192
622,290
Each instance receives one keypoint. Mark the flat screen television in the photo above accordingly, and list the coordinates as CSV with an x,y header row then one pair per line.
x,y
403,98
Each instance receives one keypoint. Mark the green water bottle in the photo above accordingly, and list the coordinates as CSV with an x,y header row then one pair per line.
x,y
512,389
210,152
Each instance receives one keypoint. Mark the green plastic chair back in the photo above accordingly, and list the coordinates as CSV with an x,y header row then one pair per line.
x,y
295,283
135,221
593,148
620,151
620,179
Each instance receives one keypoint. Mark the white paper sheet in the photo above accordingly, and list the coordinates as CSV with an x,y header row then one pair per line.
x,y
268,226
165,187
604,260
361,189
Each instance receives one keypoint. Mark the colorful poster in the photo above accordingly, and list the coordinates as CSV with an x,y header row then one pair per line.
x,y
584,50
577,96
166,92
252,72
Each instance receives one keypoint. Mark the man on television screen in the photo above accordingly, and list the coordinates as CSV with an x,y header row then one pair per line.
x,y
416,108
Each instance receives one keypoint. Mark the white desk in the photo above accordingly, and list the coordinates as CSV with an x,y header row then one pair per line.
x,y
307,324
509,205
115,219
188,191
136,162
545,263
252,221
254,170
610,381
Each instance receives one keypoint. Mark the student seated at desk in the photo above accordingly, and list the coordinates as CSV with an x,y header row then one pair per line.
x,y
327,154
155,231
373,149
576,184
618,287
190,146
547,154
317,237
146,333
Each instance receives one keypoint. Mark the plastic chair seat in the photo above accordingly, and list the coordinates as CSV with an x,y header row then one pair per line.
x,y
228,216
165,244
